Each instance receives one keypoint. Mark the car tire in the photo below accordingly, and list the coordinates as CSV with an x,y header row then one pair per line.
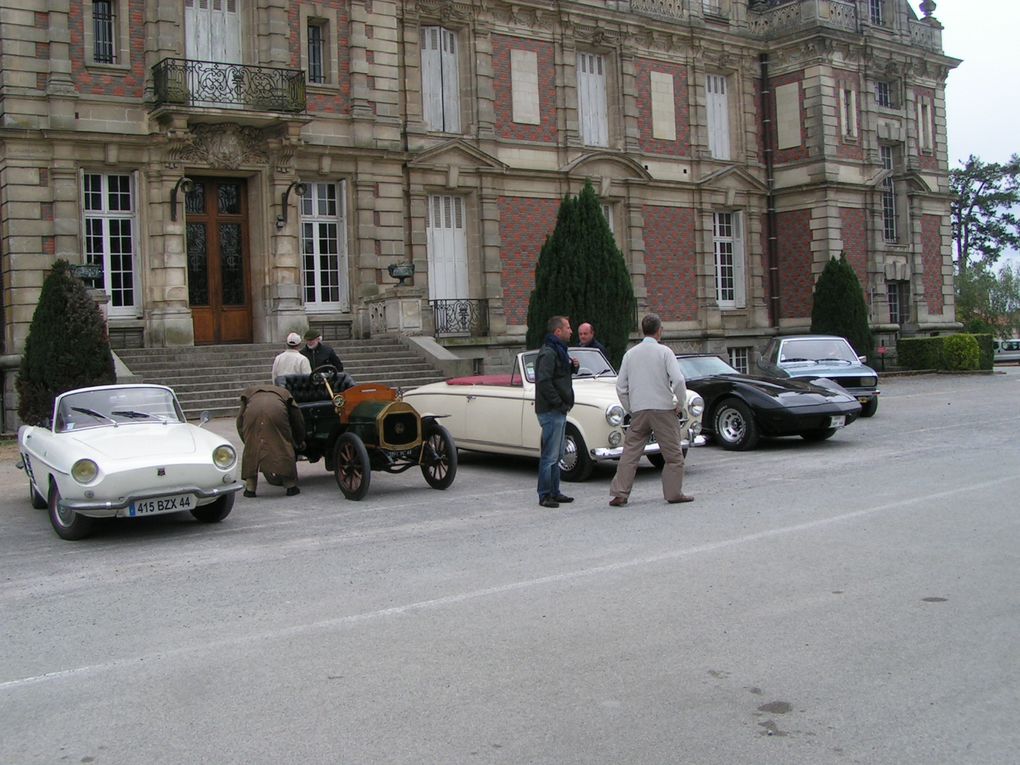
x,y
351,466
576,464
818,435
216,511
869,409
735,428
67,523
439,457
38,500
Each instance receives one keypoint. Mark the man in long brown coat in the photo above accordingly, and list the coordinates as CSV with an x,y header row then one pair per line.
x,y
270,425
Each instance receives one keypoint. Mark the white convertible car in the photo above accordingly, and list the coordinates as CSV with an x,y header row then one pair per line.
x,y
125,451
496,413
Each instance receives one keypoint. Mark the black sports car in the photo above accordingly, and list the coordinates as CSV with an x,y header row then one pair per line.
x,y
739,409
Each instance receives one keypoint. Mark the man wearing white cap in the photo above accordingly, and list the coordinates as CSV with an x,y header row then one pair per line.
x,y
291,361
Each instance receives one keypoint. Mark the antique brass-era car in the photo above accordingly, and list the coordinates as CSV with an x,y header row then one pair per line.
x,y
367,427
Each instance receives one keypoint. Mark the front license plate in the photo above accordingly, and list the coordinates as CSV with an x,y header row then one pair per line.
x,y
837,422
158,505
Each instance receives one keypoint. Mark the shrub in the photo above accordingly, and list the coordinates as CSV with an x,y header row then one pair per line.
x,y
961,352
67,346
838,306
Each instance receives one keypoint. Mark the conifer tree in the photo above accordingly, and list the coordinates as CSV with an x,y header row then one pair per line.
x,y
67,345
581,274
839,307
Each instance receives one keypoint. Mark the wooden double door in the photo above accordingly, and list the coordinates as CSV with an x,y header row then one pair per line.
x,y
219,263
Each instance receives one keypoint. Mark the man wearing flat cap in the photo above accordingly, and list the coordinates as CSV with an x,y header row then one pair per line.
x,y
291,361
318,353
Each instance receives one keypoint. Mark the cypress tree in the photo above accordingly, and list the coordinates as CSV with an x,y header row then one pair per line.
x,y
67,346
582,274
839,307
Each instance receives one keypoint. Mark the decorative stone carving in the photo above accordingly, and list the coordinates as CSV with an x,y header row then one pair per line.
x,y
226,146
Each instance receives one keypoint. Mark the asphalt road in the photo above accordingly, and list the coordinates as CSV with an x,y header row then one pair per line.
x,y
854,601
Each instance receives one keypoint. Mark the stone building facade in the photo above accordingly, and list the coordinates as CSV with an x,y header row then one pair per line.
x,y
233,170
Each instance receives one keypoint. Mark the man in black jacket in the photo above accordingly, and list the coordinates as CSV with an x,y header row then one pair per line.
x,y
554,397
318,353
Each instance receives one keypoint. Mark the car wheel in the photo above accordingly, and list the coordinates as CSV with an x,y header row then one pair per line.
x,y
735,428
869,409
439,457
351,466
38,500
67,523
818,435
216,511
575,464
658,460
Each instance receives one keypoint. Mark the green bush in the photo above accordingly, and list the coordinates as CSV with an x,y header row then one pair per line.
x,y
984,342
919,352
67,346
961,352
838,306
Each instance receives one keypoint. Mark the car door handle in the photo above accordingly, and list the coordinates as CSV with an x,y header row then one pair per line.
x,y
471,398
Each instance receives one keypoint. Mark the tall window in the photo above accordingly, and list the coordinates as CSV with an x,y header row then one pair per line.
x,y
316,52
324,246
889,228
885,94
718,106
848,112
104,51
899,305
728,245
109,206
591,99
877,12
440,79
925,127
446,239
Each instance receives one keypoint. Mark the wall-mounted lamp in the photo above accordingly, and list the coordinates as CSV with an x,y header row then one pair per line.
x,y
281,219
185,184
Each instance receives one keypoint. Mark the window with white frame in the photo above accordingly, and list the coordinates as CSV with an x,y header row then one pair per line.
x,y
108,203
717,104
889,226
740,359
848,112
925,125
591,99
440,79
317,56
885,94
899,301
728,246
446,240
324,246
876,10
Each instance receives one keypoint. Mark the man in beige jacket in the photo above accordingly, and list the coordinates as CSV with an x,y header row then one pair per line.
x,y
652,388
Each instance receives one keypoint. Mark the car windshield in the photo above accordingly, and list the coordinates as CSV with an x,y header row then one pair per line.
x,y
591,363
819,349
115,406
696,367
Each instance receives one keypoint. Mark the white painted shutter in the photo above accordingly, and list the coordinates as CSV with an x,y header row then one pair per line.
x,y
432,77
718,116
739,269
591,99
213,31
447,248
451,83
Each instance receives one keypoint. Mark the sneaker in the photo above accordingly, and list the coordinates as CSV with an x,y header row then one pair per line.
x,y
293,490
548,502
563,498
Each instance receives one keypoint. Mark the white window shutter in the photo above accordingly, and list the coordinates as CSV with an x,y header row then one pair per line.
x,y
432,78
451,83
591,99
739,270
718,117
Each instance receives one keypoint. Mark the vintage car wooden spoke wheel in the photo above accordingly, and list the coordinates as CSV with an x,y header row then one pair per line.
x,y
439,457
351,466
67,523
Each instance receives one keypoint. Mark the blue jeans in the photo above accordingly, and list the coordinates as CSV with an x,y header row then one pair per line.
x,y
554,426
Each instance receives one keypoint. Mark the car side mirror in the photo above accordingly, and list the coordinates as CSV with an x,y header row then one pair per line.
x,y
862,358
204,417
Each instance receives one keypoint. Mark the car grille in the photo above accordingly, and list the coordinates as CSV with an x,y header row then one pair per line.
x,y
852,381
400,429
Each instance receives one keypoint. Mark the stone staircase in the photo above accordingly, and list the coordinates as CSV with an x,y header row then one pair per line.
x,y
212,377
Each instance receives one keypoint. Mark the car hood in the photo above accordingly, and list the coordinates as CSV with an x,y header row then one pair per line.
x,y
824,368
801,390
141,441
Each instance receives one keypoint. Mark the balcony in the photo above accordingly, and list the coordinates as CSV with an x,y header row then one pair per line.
x,y
784,16
179,82
463,318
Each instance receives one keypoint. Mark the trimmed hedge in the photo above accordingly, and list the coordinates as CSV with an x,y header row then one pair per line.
x,y
952,352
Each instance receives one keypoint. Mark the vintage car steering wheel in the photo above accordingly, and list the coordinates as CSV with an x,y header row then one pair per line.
x,y
325,372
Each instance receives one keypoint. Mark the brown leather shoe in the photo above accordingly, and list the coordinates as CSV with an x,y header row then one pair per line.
x,y
681,498
618,502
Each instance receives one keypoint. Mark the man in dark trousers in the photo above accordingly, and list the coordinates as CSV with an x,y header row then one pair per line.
x,y
270,425
554,397
318,353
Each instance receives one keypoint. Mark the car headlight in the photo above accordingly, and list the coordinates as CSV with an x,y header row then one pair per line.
x,y
84,471
696,406
224,456
615,438
867,382
615,415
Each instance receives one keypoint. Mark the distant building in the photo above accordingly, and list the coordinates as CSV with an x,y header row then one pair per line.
x,y
241,169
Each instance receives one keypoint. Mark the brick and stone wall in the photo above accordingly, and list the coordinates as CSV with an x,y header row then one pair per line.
x,y
524,225
931,258
670,262
680,147
797,283
546,131
854,224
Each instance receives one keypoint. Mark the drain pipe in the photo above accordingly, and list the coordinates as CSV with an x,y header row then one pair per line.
x,y
772,246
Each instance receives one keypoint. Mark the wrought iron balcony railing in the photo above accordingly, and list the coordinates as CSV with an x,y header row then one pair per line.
x,y
228,86
461,317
